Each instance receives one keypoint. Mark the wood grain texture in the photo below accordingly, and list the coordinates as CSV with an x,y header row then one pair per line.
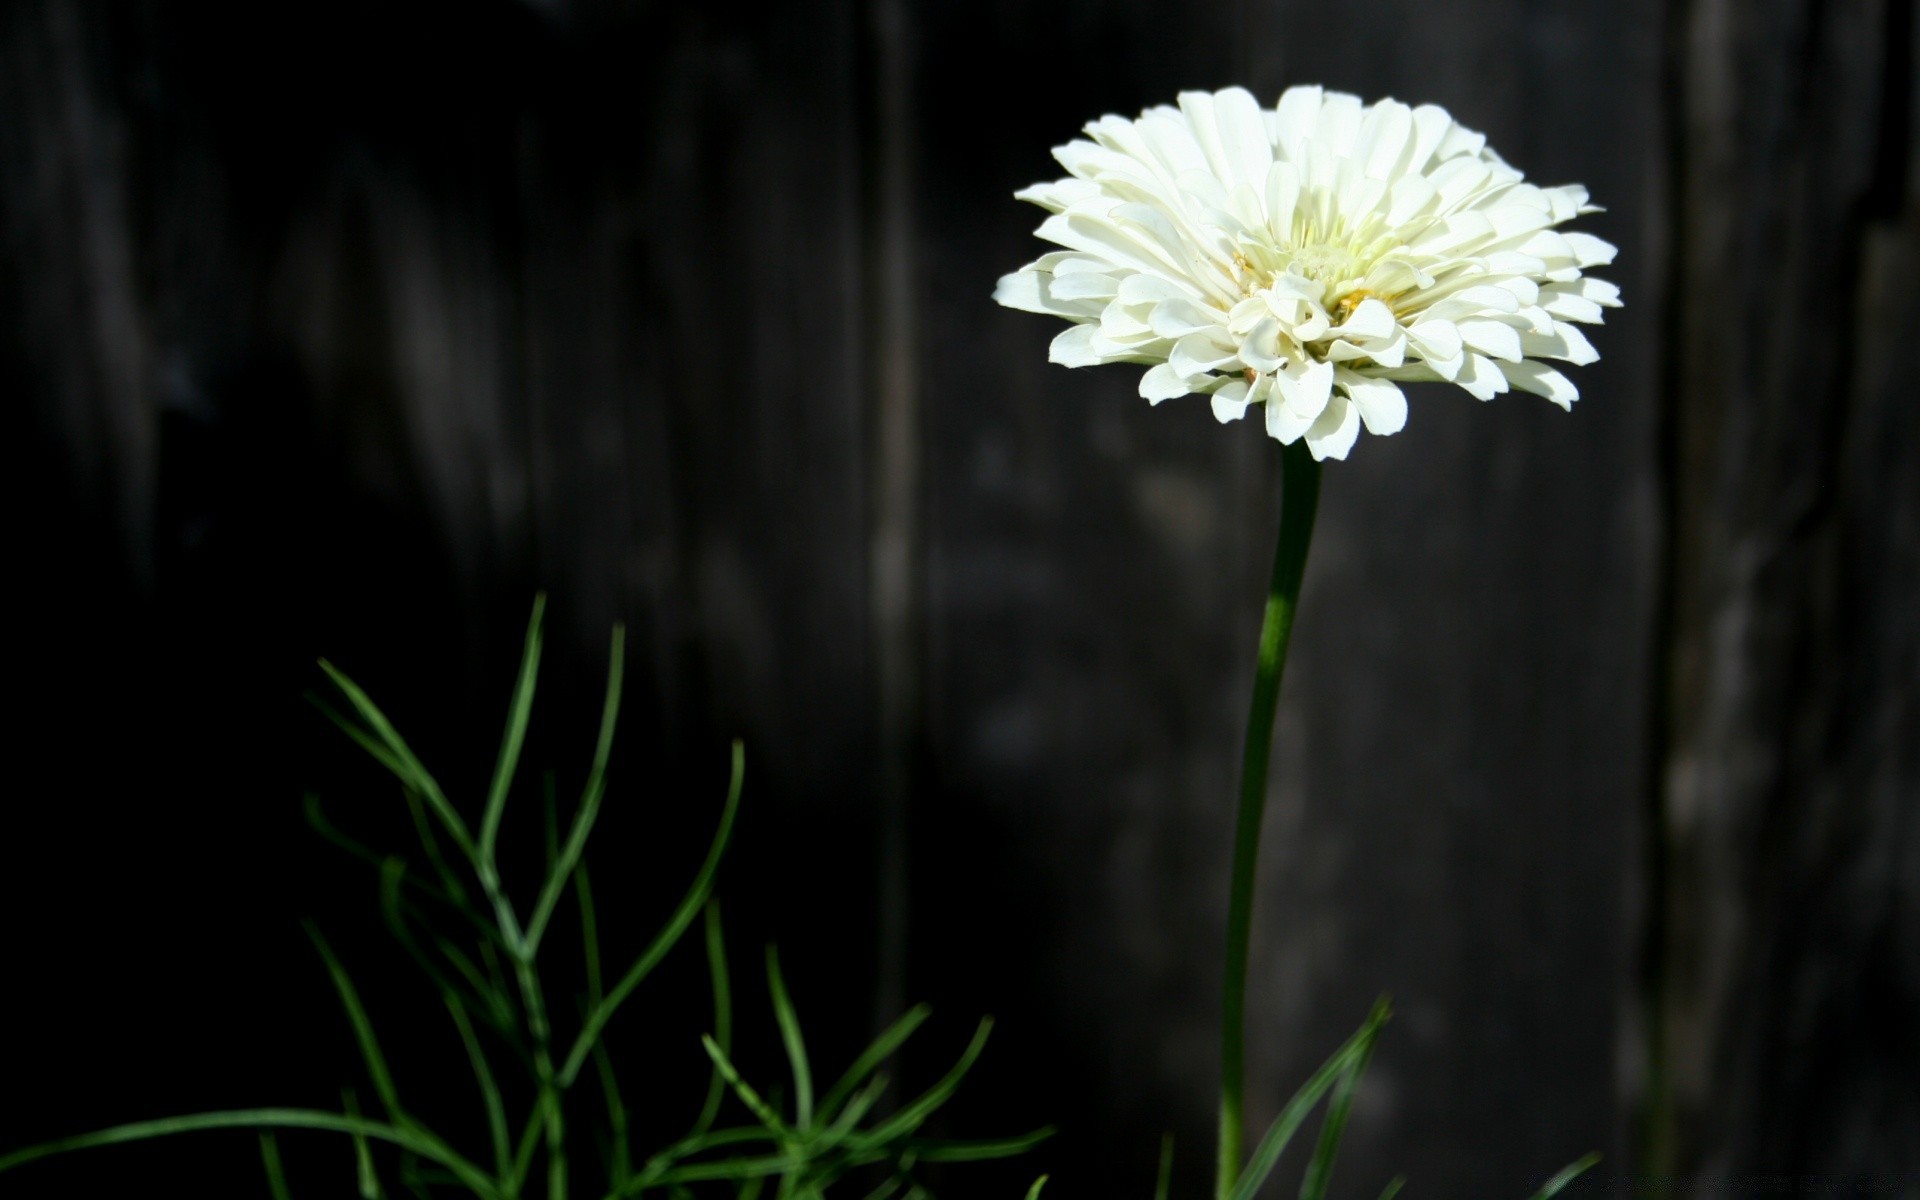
x,y
1785,981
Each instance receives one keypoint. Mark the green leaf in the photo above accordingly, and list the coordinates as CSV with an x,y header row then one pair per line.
x,y
1164,1177
949,1150
364,1175
722,1013
518,711
796,1046
875,1054
483,1076
755,1104
398,758
1320,1169
669,935
1267,1154
1567,1175
362,1030
276,1175
858,1107
1393,1187
910,1117
1033,1193
590,798
419,1142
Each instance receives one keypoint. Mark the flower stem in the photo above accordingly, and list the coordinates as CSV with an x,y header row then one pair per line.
x,y
1300,498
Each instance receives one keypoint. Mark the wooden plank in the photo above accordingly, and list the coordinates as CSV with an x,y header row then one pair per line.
x,y
1787,944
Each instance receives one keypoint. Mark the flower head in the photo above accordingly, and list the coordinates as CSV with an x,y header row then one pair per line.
x,y
1310,258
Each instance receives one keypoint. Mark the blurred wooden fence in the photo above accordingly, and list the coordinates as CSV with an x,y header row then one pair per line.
x,y
340,330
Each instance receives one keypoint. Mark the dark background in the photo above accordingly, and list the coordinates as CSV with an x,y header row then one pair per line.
x,y
339,330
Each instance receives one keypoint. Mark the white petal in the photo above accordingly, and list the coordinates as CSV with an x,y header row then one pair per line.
x,y
1199,353
1566,343
1492,337
1283,192
1178,317
1335,432
1298,111
1243,137
1074,347
1059,195
1481,377
1230,402
1032,291
1590,251
1435,340
1260,348
1162,382
1542,380
1371,319
1305,387
1382,405
1084,285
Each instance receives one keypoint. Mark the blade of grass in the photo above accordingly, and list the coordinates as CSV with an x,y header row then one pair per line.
x,y
1033,1193
796,1046
1163,1179
519,709
858,1107
489,1088
741,1088
984,1148
423,1144
910,1117
621,1156
1393,1187
362,1031
722,1013
663,941
590,798
368,1182
423,829
276,1174
1320,1169
1267,1154
401,759
1567,1175
875,1054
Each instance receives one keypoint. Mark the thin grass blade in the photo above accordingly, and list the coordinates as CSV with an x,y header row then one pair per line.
x,y
796,1046
871,1058
423,1144
1163,1178
741,1088
981,1149
1393,1187
1567,1175
669,935
519,709
722,1014
910,1117
1033,1193
1320,1169
364,1176
483,1077
362,1030
590,797
1267,1154
410,769
276,1174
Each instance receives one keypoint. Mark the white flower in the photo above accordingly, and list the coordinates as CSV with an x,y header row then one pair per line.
x,y
1309,258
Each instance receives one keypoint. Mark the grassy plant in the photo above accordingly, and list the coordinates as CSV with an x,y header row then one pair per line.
x,y
480,948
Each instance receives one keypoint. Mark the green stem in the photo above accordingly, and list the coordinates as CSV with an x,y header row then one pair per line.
x,y
1300,497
